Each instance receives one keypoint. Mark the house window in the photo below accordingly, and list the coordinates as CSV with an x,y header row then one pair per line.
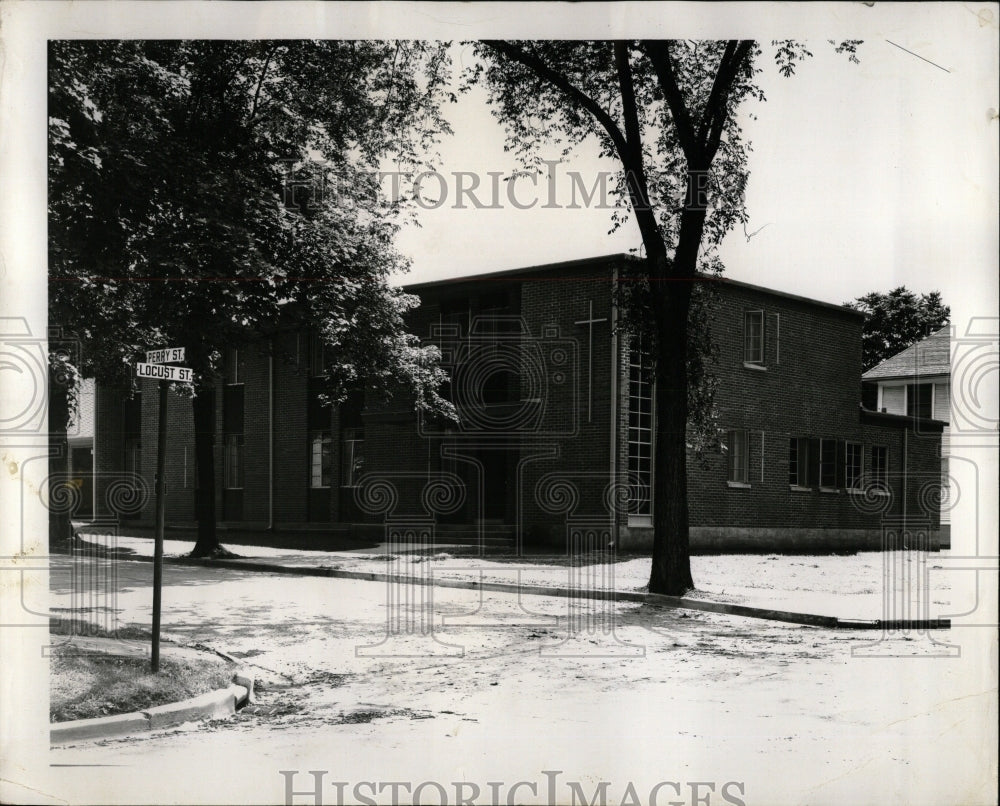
x,y
738,444
919,399
853,467
352,457
320,460
828,463
753,338
880,467
640,431
233,462
803,462
133,455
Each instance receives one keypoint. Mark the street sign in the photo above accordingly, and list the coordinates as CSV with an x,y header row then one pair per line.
x,y
168,355
161,372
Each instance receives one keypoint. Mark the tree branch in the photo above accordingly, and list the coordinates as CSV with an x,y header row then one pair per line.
x,y
562,83
716,110
260,83
658,52
635,172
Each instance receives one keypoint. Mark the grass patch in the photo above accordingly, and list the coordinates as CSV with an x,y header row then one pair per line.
x,y
84,686
124,632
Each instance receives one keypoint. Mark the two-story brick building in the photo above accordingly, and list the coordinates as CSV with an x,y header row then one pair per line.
x,y
556,430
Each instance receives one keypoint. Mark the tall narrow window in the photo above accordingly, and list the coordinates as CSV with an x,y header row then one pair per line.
x,y
320,460
232,457
753,338
880,467
233,462
640,431
919,399
828,463
352,457
739,456
853,468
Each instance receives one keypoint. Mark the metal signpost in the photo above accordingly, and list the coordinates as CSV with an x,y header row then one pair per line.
x,y
154,369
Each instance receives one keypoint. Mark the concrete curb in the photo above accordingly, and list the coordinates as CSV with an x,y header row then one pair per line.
x,y
213,705
678,602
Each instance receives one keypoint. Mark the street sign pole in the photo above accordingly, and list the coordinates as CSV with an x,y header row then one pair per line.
x,y
161,508
155,366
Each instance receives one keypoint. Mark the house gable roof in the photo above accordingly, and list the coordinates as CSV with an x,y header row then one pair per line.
x,y
929,356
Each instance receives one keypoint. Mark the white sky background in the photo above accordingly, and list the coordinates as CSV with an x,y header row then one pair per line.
x,y
863,177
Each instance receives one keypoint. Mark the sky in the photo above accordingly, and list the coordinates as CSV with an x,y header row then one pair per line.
x,y
864,177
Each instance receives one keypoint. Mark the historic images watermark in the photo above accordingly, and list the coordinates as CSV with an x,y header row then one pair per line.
x,y
313,787
546,189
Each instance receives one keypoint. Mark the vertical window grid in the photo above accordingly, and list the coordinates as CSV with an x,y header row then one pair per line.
x,y
853,467
640,430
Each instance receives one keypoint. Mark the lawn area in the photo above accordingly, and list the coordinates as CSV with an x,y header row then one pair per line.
x,y
90,679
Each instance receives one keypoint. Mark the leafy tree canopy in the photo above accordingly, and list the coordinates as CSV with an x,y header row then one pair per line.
x,y
205,192
897,319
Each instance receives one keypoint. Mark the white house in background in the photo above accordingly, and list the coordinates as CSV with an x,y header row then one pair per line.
x,y
917,382
80,432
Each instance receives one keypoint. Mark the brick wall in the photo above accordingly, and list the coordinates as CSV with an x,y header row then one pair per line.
x,y
806,387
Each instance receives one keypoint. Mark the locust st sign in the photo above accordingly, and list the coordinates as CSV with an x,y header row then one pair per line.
x,y
162,372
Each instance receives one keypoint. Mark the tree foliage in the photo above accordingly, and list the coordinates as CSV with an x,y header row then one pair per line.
x,y
895,320
665,113
205,193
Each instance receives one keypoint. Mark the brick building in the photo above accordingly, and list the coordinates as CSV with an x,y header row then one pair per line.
x,y
556,430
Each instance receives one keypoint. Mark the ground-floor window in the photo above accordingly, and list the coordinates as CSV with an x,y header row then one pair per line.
x,y
640,431
853,465
828,463
803,462
320,460
738,443
880,467
133,455
352,457
232,464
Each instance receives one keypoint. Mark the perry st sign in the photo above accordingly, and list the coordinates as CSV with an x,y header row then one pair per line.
x,y
155,366
169,355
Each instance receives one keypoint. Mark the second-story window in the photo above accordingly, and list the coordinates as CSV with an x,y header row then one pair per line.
x,y
919,399
753,338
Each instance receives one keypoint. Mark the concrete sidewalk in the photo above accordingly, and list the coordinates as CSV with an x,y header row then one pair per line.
x,y
851,600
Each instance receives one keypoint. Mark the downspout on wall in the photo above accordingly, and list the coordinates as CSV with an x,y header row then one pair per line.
x,y
270,437
615,369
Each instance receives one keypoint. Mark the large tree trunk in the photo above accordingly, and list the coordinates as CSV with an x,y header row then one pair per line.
x,y
203,405
60,501
671,568
671,287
